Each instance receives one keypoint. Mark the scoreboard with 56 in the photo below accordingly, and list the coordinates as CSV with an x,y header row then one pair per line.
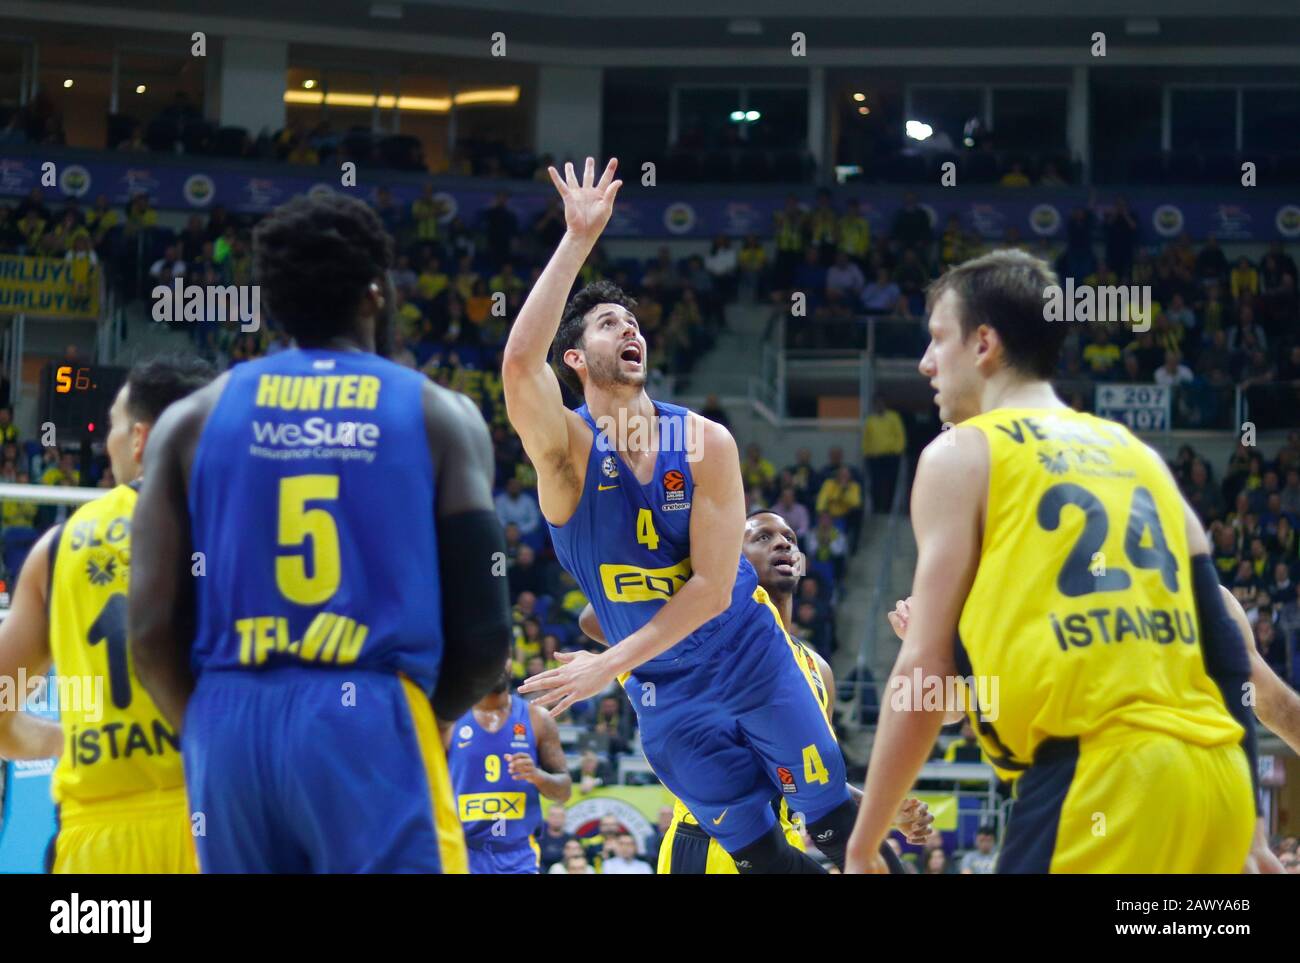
x,y
1140,407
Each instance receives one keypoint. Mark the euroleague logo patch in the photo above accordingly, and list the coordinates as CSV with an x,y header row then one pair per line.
x,y
674,483
786,778
520,730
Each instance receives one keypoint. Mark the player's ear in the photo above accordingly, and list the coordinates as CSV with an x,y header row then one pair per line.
x,y
139,438
578,359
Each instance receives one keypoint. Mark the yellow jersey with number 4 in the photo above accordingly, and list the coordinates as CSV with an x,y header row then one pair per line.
x,y
1081,618
116,742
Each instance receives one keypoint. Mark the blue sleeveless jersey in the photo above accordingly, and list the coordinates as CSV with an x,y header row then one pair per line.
x,y
487,797
628,545
312,499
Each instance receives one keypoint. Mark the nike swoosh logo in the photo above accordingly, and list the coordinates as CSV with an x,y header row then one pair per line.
x,y
461,745
605,488
718,821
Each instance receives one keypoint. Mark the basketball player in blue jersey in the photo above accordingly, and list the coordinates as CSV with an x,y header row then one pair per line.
x,y
772,547
646,509
312,578
504,755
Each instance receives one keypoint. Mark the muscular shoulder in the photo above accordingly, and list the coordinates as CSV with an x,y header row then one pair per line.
x,y
544,725
951,476
959,449
716,452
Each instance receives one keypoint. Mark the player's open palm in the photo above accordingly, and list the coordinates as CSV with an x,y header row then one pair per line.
x,y
582,676
589,204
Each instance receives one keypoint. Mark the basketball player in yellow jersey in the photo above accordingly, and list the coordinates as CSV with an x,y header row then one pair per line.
x,y
119,786
772,548
1060,572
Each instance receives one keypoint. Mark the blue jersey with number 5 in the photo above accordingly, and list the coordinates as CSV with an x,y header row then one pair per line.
x,y
311,499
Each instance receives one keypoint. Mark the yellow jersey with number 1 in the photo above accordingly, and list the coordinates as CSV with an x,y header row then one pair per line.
x,y
116,742
1081,619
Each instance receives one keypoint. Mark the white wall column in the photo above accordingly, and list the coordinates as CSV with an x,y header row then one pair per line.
x,y
253,74
569,102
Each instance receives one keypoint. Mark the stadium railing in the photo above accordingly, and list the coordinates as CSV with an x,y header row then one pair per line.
x,y
885,550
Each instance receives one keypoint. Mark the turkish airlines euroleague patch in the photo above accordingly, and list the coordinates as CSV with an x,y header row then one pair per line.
x,y
674,483
787,779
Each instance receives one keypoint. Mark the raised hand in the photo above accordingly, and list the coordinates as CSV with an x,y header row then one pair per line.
x,y
587,206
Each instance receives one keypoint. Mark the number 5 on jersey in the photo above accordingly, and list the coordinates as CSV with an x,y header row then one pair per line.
x,y
297,524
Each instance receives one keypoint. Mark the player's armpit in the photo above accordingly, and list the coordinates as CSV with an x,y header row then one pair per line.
x,y
25,652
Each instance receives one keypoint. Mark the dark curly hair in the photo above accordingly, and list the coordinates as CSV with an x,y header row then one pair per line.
x,y
314,257
573,325
154,384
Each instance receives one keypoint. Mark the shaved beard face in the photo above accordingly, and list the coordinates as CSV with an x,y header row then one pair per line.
x,y
605,371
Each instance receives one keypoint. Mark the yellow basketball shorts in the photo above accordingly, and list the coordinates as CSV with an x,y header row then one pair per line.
x,y
1139,802
142,833
688,850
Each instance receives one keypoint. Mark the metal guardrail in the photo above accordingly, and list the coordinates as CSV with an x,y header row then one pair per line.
x,y
877,604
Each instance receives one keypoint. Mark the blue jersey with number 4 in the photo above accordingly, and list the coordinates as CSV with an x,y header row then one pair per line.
x,y
312,499
629,545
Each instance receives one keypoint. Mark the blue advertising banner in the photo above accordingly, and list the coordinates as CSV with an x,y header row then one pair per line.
x,y
1233,213
27,822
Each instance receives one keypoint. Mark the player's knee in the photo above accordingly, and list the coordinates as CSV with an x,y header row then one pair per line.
x,y
772,853
831,832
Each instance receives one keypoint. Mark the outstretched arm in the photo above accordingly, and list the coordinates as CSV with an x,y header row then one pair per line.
x,y
947,523
532,391
25,650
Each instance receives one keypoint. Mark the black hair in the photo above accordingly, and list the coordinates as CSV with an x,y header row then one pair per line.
x,y
156,383
573,325
1007,290
314,258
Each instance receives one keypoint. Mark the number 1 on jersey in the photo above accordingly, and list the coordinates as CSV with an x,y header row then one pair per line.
x,y
645,529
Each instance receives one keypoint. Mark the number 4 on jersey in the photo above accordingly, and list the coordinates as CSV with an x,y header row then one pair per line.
x,y
645,529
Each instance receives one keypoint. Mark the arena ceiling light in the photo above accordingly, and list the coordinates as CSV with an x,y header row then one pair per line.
x,y
68,82
918,130
436,105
